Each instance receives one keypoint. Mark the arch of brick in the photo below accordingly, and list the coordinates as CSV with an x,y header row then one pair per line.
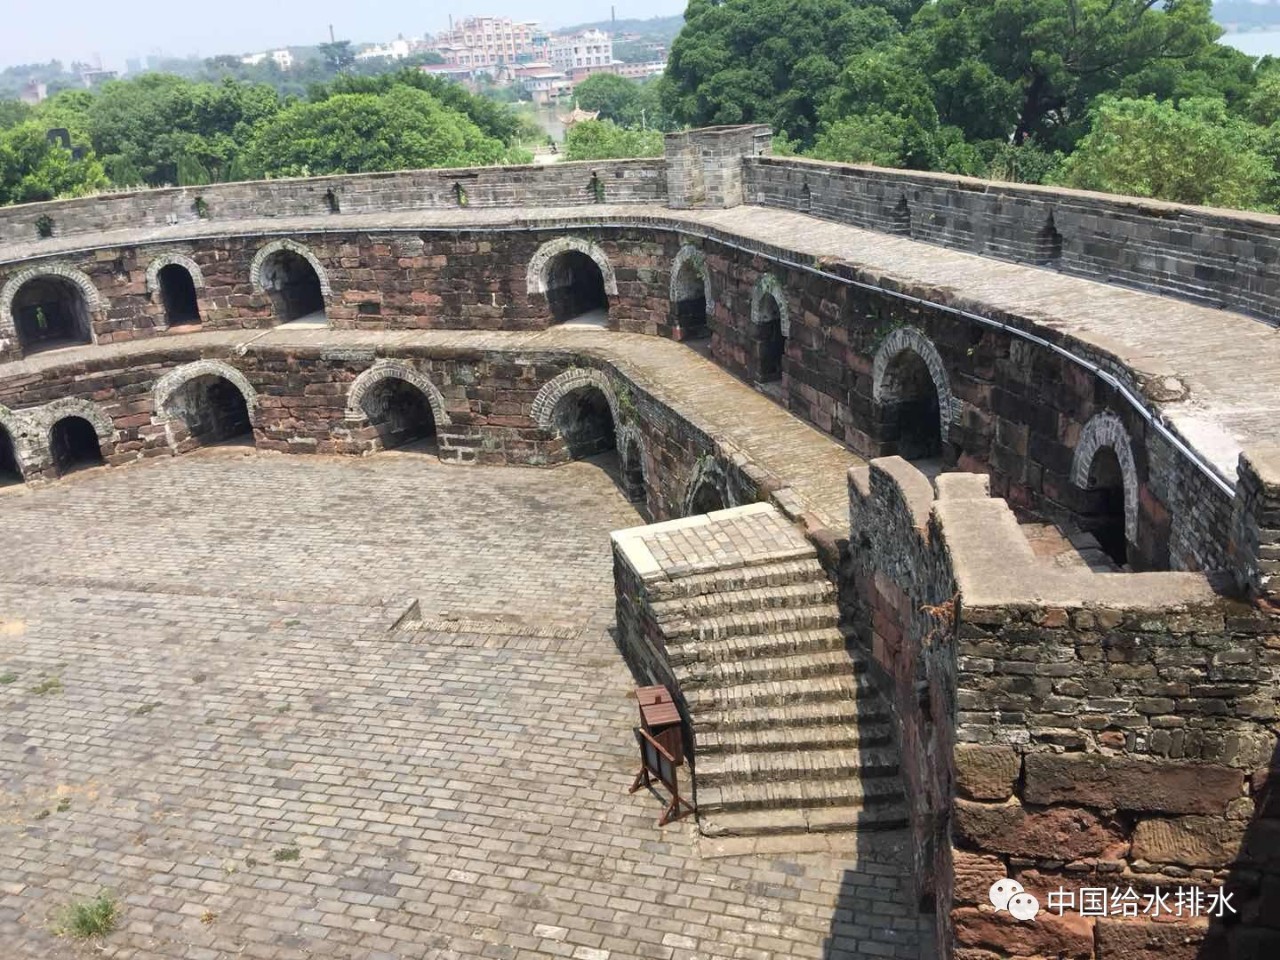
x,y
556,389
179,377
697,261
629,438
540,263
92,299
1107,430
883,387
173,260
284,243
707,471
26,435
396,370
770,286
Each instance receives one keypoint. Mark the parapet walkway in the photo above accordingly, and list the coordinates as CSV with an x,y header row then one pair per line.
x,y
1211,375
806,460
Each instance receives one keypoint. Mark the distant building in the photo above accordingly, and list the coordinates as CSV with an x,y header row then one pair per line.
x,y
591,48
395,50
281,58
94,77
484,42
640,71
33,93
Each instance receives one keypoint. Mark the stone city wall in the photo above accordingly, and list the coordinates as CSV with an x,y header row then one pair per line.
x,y
562,184
1067,729
1008,407
1216,257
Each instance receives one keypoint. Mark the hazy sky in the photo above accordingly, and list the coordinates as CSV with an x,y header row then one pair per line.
x,y
40,30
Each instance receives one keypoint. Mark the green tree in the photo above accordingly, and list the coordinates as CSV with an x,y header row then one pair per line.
x,y
402,129
604,140
1192,152
1029,69
615,98
338,56
33,168
12,113
769,61
152,123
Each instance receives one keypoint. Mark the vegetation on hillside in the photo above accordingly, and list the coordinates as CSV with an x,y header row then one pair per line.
x,y
162,129
1120,95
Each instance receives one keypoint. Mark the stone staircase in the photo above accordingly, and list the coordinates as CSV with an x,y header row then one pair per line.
x,y
789,737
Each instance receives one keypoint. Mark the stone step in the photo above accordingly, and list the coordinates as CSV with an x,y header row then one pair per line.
x,y
783,794
866,708
776,693
781,620
753,769
738,578
830,819
823,735
802,666
752,645
806,594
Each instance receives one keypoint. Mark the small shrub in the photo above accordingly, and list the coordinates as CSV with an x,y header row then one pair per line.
x,y
44,226
86,919
6,678
287,854
47,685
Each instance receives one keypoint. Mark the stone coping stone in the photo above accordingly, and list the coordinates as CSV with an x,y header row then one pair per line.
x,y
726,539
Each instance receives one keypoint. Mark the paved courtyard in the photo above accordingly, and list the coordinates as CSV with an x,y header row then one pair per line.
x,y
208,709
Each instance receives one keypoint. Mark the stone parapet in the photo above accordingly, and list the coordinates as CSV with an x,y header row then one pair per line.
x,y
1097,729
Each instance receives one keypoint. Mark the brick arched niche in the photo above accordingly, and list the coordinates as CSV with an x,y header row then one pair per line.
x,y
1103,468
771,323
398,402
174,281
575,276
690,291
708,489
293,277
203,402
72,433
581,408
912,396
47,306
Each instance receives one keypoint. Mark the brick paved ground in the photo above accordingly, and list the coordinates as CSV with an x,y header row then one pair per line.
x,y
239,746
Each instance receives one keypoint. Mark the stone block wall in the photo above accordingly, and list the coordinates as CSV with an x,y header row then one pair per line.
x,y
1215,257
705,166
399,280
562,184
1070,729
1013,410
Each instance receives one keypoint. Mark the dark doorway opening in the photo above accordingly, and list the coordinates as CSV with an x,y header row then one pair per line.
x,y
214,410
707,498
585,421
691,301
74,444
51,312
575,288
772,344
178,295
400,412
910,417
294,287
10,471
1103,512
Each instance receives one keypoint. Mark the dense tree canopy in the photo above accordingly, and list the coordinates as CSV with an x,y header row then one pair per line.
x,y
348,132
605,140
163,129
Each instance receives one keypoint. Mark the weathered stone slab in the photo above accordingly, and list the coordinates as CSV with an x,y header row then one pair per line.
x,y
985,772
1123,783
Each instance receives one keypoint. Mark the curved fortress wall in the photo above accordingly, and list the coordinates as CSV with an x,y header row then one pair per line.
x,y
417,308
